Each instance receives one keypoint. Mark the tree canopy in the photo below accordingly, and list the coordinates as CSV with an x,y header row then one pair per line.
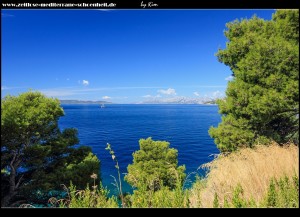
x,y
262,100
36,156
154,165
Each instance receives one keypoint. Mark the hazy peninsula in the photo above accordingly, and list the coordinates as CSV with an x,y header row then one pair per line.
x,y
83,102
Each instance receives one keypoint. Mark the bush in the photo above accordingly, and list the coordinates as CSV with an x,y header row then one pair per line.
x,y
154,166
283,193
97,198
163,198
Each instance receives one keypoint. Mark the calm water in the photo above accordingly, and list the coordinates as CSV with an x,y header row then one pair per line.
x,y
184,126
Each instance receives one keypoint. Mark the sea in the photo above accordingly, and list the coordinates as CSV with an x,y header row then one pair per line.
x,y
185,127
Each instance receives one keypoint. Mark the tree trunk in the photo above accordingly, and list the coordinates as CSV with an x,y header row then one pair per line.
x,y
12,190
12,184
6,199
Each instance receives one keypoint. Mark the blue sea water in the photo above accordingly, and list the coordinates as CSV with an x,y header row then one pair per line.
x,y
184,126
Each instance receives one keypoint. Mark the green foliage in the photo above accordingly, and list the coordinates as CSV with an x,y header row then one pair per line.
x,y
69,164
252,203
283,193
237,199
154,166
262,101
156,176
197,188
75,171
226,203
97,198
280,194
216,201
272,195
31,140
162,198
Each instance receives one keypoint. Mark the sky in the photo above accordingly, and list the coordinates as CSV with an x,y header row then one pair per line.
x,y
121,56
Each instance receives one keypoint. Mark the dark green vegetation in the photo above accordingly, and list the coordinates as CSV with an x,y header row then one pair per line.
x,y
36,157
154,166
281,193
154,174
262,101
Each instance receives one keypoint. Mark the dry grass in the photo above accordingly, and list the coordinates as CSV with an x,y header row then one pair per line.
x,y
252,168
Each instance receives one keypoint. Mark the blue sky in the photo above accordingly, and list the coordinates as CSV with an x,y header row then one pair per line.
x,y
122,56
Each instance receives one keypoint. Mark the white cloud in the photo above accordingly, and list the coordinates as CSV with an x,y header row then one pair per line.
x,y
85,82
196,93
106,97
158,96
169,91
147,96
229,78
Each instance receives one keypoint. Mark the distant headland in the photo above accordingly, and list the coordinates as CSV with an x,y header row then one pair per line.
x,y
83,102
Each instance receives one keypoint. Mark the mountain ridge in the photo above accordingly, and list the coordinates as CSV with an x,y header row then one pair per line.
x,y
71,101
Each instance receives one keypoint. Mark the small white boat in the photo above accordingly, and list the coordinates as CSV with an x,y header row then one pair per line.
x,y
102,106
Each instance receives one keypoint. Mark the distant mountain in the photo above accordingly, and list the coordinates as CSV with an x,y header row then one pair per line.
x,y
211,102
179,100
83,102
